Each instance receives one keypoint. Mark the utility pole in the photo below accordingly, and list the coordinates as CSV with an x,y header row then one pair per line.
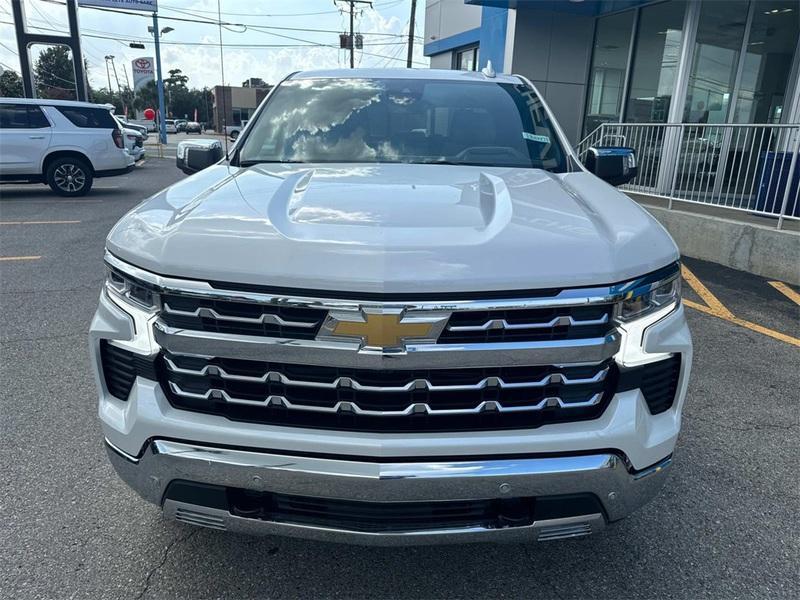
x,y
411,33
108,74
351,42
116,78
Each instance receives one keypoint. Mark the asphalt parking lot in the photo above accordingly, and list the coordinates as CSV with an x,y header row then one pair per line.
x,y
724,527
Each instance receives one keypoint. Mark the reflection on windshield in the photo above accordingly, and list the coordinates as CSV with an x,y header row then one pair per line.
x,y
404,120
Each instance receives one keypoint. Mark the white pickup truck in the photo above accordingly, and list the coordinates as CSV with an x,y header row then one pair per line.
x,y
233,131
400,311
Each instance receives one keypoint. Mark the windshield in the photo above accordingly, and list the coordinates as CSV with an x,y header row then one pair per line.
x,y
404,120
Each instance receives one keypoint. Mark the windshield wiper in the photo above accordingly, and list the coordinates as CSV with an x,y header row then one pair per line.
x,y
250,163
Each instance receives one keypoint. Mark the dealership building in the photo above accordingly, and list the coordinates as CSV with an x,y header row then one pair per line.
x,y
632,61
236,104
706,92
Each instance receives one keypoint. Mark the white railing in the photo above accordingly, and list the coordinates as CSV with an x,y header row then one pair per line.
x,y
751,168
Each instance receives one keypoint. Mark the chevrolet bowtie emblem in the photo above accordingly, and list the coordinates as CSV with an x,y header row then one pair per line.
x,y
388,330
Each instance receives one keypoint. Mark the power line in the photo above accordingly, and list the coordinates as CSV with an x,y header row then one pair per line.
x,y
208,21
388,4
308,44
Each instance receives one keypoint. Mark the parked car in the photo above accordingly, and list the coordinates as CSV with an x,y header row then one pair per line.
x,y
134,143
171,126
233,131
194,127
62,143
127,123
399,311
180,124
150,125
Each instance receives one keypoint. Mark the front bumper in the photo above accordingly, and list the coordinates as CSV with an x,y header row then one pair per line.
x,y
619,458
619,489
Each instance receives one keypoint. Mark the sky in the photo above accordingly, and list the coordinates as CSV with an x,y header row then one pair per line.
x,y
256,43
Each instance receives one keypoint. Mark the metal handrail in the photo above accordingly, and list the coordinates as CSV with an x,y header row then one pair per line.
x,y
749,167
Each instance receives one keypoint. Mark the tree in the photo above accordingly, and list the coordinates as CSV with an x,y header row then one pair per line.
x,y
103,96
176,79
147,97
55,75
11,85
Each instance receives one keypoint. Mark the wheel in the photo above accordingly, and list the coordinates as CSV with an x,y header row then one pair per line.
x,y
234,135
69,176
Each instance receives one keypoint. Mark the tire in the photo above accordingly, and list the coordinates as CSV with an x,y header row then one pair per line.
x,y
234,135
69,176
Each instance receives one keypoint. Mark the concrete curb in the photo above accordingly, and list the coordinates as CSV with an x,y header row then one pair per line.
x,y
753,248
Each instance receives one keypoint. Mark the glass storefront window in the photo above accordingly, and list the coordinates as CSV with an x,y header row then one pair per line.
x,y
767,62
655,62
467,60
714,62
609,62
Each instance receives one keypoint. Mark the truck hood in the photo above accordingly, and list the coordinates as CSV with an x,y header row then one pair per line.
x,y
393,228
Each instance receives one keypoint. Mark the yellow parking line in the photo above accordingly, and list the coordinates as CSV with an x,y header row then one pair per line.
x,y
742,323
38,222
717,308
20,257
786,291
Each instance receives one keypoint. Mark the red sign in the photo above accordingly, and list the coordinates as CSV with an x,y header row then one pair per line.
x,y
149,114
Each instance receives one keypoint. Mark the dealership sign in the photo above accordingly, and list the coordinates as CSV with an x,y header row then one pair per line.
x,y
146,5
142,72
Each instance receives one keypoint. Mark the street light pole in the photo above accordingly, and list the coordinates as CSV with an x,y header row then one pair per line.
x,y
162,126
108,74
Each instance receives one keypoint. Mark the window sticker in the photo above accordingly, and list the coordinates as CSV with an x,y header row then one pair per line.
x,y
533,137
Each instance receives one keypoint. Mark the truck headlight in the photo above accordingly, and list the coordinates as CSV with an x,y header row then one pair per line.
x,y
140,301
650,298
130,290
644,302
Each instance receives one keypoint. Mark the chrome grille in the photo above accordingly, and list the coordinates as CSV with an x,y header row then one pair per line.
x,y
243,318
386,400
490,360
538,324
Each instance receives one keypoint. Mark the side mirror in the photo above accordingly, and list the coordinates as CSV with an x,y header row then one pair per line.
x,y
613,164
195,155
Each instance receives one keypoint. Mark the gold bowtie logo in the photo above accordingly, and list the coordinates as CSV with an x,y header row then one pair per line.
x,y
384,330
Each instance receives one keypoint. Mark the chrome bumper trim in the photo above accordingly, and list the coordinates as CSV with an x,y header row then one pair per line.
x,y
415,356
545,530
603,474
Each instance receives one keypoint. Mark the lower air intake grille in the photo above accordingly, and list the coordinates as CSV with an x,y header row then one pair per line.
x,y
380,517
658,382
383,516
120,368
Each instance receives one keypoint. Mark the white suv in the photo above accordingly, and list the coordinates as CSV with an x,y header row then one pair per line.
x,y
62,143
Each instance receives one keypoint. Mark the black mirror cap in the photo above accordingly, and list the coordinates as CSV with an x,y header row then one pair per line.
x,y
197,155
613,164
